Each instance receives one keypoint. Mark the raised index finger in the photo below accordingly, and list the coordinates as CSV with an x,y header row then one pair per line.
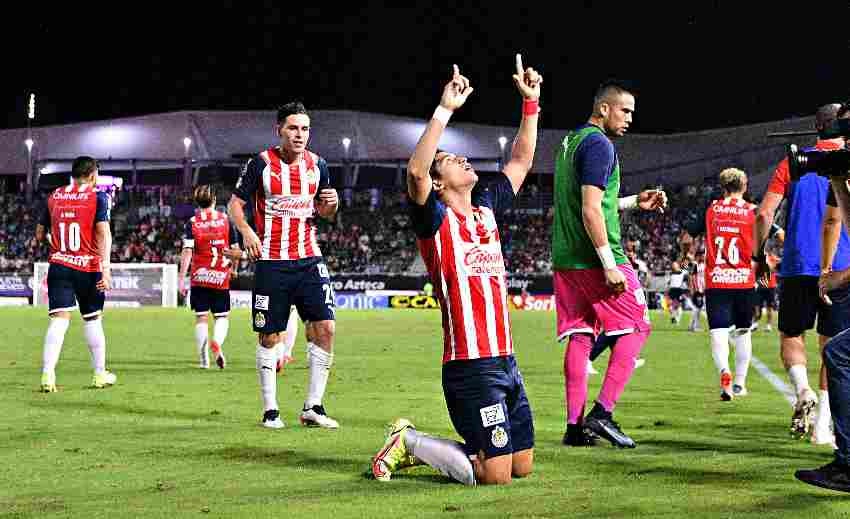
x,y
519,69
456,71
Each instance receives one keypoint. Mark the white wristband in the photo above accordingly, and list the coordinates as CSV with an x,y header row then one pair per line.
x,y
442,114
606,256
628,202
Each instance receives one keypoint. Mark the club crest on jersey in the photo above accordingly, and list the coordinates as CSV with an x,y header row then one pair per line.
x,y
492,415
261,302
499,437
260,320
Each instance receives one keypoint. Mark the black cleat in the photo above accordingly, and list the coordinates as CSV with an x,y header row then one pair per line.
x,y
610,430
578,436
833,476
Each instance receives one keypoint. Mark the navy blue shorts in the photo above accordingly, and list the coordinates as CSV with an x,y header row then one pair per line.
x,y
728,306
280,284
69,288
766,297
677,294
698,299
800,304
205,299
488,406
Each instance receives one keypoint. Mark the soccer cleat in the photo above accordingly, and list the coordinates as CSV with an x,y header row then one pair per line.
x,y
393,454
610,430
220,361
833,476
317,417
102,380
271,419
739,390
726,393
578,436
822,430
48,382
804,413
823,436
639,363
590,369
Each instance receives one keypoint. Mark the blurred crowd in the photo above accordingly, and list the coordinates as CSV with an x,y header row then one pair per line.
x,y
370,235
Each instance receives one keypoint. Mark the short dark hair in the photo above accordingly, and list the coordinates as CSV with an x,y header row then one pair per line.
x,y
204,195
434,173
294,107
83,166
612,87
843,110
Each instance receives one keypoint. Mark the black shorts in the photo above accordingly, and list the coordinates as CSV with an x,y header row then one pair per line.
x,y
800,304
205,299
698,299
676,294
766,297
69,288
488,406
280,284
730,306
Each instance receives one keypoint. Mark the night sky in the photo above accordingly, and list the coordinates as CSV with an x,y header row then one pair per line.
x,y
694,67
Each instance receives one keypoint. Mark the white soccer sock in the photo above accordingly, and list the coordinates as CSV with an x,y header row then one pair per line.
x,y
447,456
53,340
220,328
743,354
694,320
291,334
720,348
824,416
799,378
266,358
201,334
320,366
96,340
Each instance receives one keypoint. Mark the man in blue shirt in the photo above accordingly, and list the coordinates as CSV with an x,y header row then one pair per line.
x,y
799,300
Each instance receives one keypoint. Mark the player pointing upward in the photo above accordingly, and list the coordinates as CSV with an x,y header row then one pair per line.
x,y
454,220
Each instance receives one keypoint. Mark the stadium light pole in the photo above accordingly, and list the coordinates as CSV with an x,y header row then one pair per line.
x,y
346,144
187,166
29,143
502,142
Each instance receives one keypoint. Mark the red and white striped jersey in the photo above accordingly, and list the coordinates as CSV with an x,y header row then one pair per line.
x,y
283,202
729,225
696,279
464,260
71,215
209,233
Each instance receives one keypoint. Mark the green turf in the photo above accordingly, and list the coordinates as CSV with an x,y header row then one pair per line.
x,y
171,441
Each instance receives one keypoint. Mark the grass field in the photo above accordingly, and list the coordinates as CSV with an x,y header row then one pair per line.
x,y
172,441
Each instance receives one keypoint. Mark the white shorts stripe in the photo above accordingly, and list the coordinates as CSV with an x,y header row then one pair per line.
x,y
66,309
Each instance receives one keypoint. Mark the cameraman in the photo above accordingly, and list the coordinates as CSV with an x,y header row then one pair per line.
x,y
799,299
836,474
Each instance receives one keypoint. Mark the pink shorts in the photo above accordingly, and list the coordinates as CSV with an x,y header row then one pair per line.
x,y
585,304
